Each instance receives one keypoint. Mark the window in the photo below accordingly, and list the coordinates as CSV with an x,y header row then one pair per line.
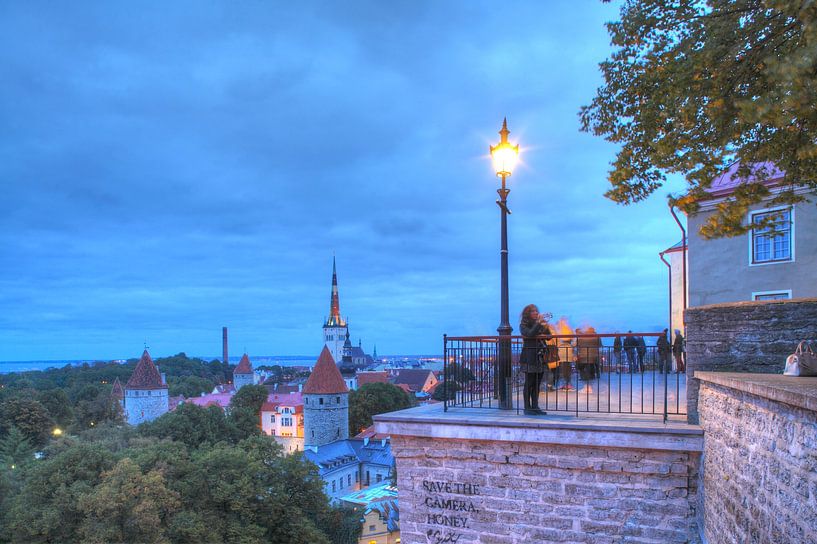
x,y
333,486
772,243
272,418
367,478
286,421
371,528
349,480
772,295
379,477
340,481
320,400
337,400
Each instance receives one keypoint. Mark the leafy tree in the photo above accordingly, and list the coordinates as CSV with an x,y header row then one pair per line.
x,y
189,386
250,397
97,410
245,407
128,506
47,508
192,425
58,405
693,86
29,416
15,449
372,399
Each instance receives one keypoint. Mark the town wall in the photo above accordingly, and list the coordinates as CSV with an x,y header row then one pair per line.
x,y
328,422
759,480
514,480
145,404
745,337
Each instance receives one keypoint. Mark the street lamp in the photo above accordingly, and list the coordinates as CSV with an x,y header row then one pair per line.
x,y
504,156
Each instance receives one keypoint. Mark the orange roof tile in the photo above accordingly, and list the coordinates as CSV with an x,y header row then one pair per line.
x,y
372,377
325,378
146,375
244,366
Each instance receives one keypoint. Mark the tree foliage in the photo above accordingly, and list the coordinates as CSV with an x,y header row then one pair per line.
x,y
693,86
372,399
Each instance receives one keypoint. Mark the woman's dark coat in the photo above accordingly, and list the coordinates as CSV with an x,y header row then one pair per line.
x,y
531,361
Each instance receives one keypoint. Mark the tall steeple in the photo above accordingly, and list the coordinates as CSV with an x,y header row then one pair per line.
x,y
335,329
334,304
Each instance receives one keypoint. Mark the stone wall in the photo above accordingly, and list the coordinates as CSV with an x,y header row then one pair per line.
x,y
145,404
760,465
494,492
326,418
745,337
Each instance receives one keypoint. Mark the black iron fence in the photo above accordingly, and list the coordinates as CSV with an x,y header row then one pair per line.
x,y
591,374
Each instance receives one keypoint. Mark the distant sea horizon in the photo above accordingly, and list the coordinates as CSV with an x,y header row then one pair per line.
x,y
7,367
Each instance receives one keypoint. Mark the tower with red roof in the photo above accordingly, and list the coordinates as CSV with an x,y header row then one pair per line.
x,y
326,403
335,328
145,393
118,394
243,373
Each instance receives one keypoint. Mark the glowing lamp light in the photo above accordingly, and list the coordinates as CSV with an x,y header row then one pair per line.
x,y
504,155
57,432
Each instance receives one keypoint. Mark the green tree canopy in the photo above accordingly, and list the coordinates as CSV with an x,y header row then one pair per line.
x,y
693,86
372,399
27,415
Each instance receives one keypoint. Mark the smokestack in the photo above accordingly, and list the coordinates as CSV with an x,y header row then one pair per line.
x,y
224,345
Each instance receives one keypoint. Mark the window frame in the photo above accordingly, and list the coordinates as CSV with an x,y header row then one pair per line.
x,y
756,294
751,221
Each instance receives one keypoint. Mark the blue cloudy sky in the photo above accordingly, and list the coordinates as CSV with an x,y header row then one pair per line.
x,y
168,168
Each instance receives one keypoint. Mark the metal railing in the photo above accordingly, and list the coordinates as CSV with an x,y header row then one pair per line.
x,y
591,375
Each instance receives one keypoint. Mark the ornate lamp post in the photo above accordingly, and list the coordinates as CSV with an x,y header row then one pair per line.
x,y
504,156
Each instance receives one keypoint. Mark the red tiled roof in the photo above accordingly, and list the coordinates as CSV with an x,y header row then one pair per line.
x,y
404,387
146,375
117,392
325,378
372,377
244,366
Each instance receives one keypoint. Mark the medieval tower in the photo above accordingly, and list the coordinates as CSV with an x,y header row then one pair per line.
x,y
326,403
145,393
335,329
243,373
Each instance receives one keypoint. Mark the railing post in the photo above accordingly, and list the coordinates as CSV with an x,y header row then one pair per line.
x,y
445,372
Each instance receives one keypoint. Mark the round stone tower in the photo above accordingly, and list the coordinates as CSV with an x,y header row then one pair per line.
x,y
326,403
145,393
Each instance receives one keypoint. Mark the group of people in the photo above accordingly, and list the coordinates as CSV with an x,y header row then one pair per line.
x,y
555,357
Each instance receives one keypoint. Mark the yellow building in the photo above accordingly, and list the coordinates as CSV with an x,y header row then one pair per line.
x,y
381,523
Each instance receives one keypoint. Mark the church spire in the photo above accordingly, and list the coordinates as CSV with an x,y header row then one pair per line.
x,y
334,305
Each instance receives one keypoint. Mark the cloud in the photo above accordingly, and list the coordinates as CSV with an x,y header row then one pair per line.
x,y
168,169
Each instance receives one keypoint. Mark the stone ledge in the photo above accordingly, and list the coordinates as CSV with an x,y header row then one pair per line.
x,y
793,390
602,430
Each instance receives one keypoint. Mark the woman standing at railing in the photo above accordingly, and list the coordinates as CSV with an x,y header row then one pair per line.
x,y
532,362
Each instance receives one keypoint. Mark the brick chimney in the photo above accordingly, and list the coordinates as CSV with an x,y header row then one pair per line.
x,y
224,345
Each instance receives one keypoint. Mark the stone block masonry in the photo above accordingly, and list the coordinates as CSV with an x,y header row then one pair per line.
x,y
751,337
760,458
525,480
494,492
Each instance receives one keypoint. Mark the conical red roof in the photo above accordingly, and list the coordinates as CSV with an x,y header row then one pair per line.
x,y
325,378
146,375
244,366
117,392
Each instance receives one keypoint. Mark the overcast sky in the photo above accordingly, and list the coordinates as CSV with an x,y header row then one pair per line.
x,y
169,168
